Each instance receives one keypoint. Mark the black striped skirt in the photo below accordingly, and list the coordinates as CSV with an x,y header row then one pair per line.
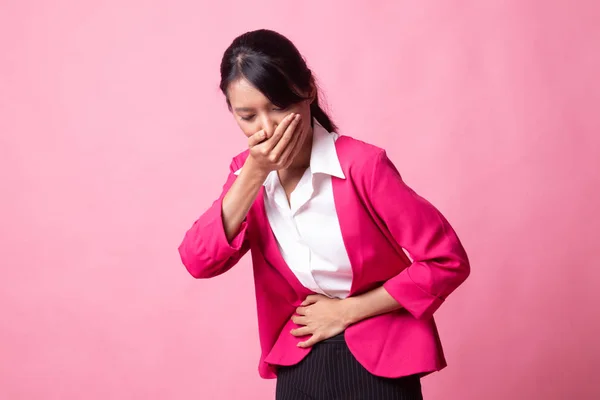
x,y
330,372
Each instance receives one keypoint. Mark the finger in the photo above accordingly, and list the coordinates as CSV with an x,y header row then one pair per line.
x,y
299,320
292,150
287,135
314,339
301,310
280,131
304,331
293,147
257,138
311,299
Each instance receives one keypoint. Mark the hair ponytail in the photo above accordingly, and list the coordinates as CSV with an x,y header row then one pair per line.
x,y
321,116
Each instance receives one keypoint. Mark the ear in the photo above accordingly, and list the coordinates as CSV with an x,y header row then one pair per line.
x,y
313,93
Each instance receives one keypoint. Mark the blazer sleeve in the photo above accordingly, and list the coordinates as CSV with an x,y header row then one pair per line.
x,y
440,263
205,250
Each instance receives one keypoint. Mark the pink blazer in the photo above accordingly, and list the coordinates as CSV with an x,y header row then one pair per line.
x,y
379,215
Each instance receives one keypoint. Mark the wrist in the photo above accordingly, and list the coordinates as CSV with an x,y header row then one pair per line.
x,y
349,310
252,170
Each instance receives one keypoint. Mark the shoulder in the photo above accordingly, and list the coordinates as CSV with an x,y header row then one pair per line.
x,y
358,157
353,147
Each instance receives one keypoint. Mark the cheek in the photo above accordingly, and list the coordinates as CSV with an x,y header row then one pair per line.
x,y
306,121
305,112
248,132
246,128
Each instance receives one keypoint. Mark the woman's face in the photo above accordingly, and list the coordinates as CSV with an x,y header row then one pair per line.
x,y
254,112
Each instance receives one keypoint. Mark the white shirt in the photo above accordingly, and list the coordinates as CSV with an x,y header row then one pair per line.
x,y
307,229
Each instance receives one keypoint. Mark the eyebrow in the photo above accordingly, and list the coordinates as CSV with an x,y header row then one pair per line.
x,y
244,109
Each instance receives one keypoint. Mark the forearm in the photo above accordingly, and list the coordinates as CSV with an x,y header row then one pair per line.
x,y
239,198
375,302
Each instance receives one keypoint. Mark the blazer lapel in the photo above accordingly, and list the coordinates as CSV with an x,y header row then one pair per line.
x,y
271,249
345,199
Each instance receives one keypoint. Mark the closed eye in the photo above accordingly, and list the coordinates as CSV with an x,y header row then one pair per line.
x,y
247,117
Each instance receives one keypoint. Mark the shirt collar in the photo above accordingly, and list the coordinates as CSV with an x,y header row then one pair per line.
x,y
323,156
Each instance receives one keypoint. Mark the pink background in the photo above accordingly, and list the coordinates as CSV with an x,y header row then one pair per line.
x,y
114,138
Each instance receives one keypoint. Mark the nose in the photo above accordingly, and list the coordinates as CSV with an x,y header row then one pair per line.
x,y
268,125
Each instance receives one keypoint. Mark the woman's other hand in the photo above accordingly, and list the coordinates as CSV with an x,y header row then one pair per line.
x,y
320,317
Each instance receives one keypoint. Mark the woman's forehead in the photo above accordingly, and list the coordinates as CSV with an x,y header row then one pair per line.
x,y
242,94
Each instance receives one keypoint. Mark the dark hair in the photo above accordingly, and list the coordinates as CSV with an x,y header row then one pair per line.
x,y
272,64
